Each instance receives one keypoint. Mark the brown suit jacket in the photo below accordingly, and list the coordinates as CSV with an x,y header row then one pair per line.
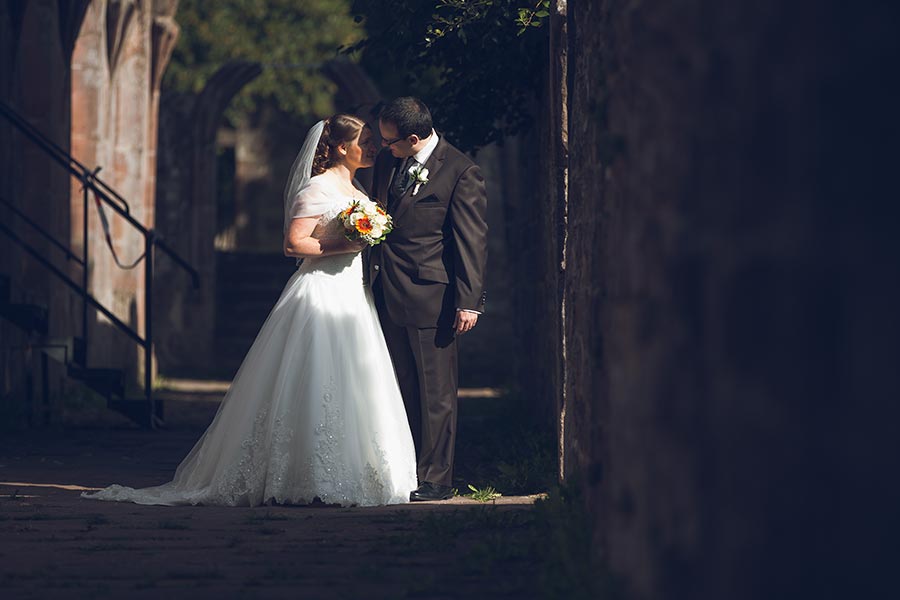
x,y
434,260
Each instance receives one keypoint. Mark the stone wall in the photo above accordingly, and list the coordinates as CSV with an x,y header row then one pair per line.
x,y
36,42
531,222
731,294
86,74
10,384
117,67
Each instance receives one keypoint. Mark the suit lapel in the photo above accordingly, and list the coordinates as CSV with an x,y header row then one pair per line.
x,y
433,164
384,183
387,184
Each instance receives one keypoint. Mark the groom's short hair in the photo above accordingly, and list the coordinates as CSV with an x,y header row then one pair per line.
x,y
409,115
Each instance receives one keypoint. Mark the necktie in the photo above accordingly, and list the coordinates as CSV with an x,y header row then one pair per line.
x,y
401,177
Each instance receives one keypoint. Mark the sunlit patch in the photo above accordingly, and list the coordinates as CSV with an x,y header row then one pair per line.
x,y
196,386
480,393
58,486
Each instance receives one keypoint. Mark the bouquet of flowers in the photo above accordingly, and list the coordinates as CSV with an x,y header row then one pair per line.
x,y
365,220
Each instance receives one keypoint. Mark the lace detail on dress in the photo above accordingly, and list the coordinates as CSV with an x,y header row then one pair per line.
x,y
336,483
244,480
330,435
263,470
268,472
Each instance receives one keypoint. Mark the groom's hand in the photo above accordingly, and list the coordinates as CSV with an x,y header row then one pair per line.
x,y
465,321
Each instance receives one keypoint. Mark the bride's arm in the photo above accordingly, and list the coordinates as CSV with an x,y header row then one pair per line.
x,y
299,242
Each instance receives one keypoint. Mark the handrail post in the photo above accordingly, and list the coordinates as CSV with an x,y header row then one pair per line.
x,y
85,237
148,326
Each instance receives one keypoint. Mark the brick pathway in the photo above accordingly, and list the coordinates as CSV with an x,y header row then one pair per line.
x,y
53,544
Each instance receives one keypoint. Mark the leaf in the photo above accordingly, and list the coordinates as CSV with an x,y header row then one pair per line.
x,y
282,33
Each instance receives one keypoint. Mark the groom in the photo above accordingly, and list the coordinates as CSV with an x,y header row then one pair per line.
x,y
427,277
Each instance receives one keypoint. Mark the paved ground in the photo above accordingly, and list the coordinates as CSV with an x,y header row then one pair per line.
x,y
53,544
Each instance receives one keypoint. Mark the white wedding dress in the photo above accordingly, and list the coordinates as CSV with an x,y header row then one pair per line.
x,y
314,410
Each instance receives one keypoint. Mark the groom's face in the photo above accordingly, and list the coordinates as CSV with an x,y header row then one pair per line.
x,y
400,147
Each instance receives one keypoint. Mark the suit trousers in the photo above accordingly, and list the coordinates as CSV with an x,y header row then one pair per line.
x,y
426,364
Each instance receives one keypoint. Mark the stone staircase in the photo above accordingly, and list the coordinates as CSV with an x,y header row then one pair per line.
x,y
247,287
71,352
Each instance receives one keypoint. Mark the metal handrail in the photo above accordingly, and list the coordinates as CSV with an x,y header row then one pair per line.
x,y
44,233
105,194
97,185
35,254
54,150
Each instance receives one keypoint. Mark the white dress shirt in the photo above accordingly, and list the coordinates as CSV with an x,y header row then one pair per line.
x,y
425,153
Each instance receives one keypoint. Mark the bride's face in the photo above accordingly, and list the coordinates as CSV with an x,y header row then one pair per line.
x,y
361,151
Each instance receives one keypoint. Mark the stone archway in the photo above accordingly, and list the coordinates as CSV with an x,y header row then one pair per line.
x,y
187,204
186,215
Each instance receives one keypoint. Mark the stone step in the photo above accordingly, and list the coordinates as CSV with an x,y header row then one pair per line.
x,y
236,335
246,307
232,265
139,411
235,306
66,350
249,287
106,382
253,277
30,318
252,297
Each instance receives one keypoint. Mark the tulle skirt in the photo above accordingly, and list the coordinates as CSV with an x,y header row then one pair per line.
x,y
313,412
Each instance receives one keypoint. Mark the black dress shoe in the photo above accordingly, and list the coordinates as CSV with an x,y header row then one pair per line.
x,y
431,491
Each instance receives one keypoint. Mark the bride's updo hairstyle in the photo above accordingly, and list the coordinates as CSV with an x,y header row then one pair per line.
x,y
339,129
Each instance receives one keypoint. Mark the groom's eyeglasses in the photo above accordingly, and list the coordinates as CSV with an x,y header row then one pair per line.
x,y
393,141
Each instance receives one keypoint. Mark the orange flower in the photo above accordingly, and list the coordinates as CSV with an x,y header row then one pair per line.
x,y
363,225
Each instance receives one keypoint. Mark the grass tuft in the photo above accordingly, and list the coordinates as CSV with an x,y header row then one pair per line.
x,y
485,494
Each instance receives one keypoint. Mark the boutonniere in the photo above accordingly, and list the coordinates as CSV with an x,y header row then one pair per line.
x,y
419,175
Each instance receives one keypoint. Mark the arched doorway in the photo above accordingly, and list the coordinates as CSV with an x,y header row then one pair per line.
x,y
219,200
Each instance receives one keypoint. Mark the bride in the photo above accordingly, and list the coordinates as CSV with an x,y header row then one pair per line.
x,y
314,411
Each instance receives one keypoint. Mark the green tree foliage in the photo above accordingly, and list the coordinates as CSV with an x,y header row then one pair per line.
x,y
478,64
289,38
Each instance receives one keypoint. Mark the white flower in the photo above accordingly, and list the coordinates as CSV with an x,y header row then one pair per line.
x,y
419,175
379,223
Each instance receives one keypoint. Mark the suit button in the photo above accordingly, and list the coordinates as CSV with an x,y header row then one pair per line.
x,y
377,268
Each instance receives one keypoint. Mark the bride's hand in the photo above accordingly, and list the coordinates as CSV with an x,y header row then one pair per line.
x,y
356,245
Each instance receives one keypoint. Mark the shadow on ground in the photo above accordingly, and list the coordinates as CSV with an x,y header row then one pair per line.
x,y
55,544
